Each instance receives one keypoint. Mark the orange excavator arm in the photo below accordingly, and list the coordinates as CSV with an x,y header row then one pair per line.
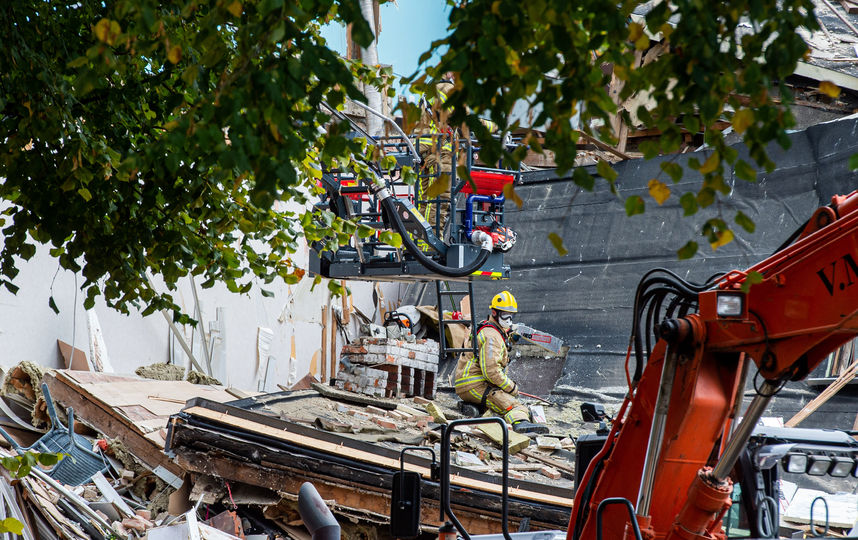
x,y
673,446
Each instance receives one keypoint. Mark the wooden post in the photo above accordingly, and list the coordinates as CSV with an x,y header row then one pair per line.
x,y
334,349
324,360
346,301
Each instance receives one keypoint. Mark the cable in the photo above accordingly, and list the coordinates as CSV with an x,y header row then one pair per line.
x,y
652,293
425,260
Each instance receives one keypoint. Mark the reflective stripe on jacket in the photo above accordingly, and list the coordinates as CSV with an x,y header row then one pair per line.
x,y
490,363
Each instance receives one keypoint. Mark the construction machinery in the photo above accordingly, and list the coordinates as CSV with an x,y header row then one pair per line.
x,y
693,344
667,466
470,246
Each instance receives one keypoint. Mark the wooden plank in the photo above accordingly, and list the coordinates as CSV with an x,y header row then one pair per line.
x,y
351,397
850,8
324,359
845,377
332,321
144,449
565,467
365,457
346,297
356,498
517,441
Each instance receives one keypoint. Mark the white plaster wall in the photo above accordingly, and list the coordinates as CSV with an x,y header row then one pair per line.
x,y
29,329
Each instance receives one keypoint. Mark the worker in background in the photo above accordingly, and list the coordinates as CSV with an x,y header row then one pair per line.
x,y
436,154
482,380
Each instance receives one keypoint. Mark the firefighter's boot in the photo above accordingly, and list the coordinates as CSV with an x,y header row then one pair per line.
x,y
524,426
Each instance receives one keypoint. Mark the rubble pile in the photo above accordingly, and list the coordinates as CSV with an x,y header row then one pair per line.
x,y
175,459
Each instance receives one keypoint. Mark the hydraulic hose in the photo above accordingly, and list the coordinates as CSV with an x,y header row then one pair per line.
x,y
425,260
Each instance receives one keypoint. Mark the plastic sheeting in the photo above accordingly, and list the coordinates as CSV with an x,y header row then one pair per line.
x,y
585,296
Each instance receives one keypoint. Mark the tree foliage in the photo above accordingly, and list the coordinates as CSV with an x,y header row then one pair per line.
x,y
719,61
147,135
156,136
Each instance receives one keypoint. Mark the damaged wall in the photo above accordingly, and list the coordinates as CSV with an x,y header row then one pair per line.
x,y
30,328
585,297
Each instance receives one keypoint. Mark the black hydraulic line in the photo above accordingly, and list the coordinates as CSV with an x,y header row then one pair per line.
x,y
424,259
617,500
583,510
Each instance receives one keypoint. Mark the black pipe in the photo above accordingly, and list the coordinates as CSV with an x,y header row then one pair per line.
x,y
424,259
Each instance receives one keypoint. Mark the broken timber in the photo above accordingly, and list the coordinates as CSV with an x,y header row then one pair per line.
x,y
252,448
131,409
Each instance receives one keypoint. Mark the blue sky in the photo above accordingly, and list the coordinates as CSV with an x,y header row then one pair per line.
x,y
408,28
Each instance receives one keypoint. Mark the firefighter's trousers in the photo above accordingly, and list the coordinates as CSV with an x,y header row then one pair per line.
x,y
496,400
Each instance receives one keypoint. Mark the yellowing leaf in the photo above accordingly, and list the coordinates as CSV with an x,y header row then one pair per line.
x,y
235,8
175,54
509,193
107,31
642,43
438,187
658,191
742,120
635,31
11,525
724,238
557,242
829,89
710,164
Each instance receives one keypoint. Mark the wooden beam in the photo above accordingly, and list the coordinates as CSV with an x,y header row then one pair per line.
x,y
108,423
324,360
847,375
346,297
350,497
604,146
364,456
332,321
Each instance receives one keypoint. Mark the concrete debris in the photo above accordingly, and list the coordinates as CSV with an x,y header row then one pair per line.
x,y
171,372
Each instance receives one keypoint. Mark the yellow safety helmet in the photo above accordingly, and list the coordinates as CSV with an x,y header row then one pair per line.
x,y
505,301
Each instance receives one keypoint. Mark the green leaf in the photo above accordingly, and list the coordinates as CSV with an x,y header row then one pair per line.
x,y
582,178
745,222
752,278
606,171
49,459
688,201
52,304
687,251
83,192
673,170
390,238
557,242
745,171
853,162
634,205
266,293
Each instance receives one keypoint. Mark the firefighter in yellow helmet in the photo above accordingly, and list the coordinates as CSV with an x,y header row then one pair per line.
x,y
483,380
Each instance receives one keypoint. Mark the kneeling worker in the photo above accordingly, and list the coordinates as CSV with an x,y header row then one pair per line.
x,y
483,380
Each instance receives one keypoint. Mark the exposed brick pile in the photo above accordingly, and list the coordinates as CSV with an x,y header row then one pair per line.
x,y
398,367
363,379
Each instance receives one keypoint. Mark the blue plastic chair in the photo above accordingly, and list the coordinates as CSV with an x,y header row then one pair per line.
x,y
79,463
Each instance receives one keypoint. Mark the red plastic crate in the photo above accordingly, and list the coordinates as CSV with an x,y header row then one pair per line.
x,y
488,182
353,196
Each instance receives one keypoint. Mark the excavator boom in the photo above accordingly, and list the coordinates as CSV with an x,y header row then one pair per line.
x,y
673,445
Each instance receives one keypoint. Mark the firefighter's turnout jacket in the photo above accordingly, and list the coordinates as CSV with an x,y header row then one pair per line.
x,y
483,379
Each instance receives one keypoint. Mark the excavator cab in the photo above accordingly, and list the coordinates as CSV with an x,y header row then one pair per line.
x,y
469,244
